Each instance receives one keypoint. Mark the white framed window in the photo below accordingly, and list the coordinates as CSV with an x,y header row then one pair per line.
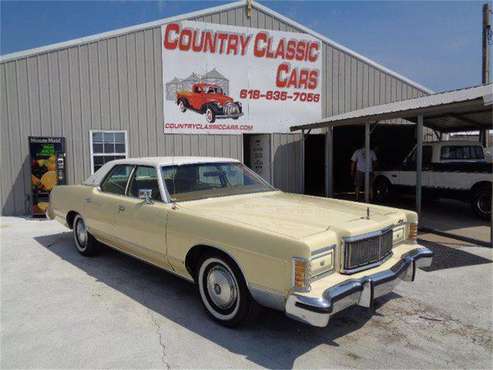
x,y
107,145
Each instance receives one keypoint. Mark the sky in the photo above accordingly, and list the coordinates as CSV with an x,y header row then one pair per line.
x,y
435,43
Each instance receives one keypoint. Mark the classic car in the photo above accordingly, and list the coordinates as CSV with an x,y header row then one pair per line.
x,y
216,223
209,99
451,169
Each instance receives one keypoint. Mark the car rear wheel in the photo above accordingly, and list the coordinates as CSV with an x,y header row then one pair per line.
x,y
481,203
85,243
182,106
223,290
210,116
381,189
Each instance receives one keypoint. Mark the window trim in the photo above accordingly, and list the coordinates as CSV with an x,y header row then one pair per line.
x,y
91,149
107,175
132,176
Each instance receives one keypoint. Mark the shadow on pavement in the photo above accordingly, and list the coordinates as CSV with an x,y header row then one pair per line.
x,y
271,340
447,257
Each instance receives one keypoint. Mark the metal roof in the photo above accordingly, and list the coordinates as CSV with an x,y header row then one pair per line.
x,y
199,13
451,111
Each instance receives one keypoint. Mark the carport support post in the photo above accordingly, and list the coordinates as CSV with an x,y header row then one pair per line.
x,y
368,161
329,162
419,163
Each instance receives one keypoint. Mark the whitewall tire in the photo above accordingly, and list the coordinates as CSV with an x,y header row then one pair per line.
x,y
223,290
84,241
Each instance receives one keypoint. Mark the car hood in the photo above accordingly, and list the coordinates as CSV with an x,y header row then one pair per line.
x,y
296,216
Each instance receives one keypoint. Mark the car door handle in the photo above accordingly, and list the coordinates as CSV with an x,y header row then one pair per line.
x,y
121,208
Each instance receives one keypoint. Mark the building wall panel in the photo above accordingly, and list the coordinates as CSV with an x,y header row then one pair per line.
x,y
116,83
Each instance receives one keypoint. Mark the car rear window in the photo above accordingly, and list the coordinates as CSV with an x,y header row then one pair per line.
x,y
461,152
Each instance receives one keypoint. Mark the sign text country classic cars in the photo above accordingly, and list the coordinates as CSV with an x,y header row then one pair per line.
x,y
228,79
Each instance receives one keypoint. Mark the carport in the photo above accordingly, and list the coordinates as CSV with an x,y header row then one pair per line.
x,y
467,109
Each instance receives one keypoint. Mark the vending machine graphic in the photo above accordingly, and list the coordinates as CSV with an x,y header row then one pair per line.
x,y
47,170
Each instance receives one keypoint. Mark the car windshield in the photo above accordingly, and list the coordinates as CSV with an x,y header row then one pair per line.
x,y
214,90
208,180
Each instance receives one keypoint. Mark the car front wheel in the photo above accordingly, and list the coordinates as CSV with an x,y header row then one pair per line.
x,y
223,290
85,243
210,116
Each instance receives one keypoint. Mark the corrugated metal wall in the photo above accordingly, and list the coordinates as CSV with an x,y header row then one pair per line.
x,y
116,83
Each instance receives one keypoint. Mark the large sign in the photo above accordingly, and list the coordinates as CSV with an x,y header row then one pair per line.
x,y
228,79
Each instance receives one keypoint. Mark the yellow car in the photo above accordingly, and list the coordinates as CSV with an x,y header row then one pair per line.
x,y
216,223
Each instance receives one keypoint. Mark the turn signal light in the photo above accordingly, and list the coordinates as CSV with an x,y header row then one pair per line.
x,y
301,274
413,232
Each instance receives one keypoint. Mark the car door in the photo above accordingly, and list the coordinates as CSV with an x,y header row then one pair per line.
x,y
407,175
101,206
141,226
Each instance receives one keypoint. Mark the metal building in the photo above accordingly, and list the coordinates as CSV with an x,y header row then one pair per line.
x,y
113,82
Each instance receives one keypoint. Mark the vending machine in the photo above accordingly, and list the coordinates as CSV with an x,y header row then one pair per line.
x,y
47,170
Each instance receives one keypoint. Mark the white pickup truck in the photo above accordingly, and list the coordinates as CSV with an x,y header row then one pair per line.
x,y
451,169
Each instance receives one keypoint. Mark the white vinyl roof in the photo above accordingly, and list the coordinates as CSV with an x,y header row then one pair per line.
x,y
450,111
96,178
199,13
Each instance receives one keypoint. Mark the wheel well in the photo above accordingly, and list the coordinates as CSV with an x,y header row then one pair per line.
x,y
195,254
480,185
70,218
381,178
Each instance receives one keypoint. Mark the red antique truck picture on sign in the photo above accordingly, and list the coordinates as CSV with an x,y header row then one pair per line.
x,y
232,79
210,100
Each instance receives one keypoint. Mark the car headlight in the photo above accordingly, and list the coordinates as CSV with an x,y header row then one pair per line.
x,y
399,234
322,261
219,105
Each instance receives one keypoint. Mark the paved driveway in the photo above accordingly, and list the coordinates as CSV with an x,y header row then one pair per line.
x,y
62,310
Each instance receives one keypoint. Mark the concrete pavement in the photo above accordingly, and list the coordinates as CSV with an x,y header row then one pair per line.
x,y
62,310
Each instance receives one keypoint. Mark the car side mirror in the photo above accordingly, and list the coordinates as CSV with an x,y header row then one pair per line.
x,y
146,195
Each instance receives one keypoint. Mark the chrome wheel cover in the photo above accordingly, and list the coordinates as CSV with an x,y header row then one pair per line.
x,y
182,106
219,289
208,114
222,287
80,234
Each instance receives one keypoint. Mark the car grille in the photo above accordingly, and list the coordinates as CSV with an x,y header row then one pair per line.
x,y
231,108
360,253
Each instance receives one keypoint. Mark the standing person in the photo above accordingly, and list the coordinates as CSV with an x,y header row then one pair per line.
x,y
358,169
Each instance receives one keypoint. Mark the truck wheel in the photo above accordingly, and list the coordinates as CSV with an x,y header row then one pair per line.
x,y
381,189
85,243
481,203
210,116
182,106
223,290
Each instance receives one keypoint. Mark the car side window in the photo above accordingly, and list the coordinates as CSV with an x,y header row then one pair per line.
x,y
145,178
116,181
460,152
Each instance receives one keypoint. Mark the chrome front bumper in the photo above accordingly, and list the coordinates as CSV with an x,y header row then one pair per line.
x,y
362,291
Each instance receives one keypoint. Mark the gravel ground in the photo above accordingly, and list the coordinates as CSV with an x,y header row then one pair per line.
x,y
62,310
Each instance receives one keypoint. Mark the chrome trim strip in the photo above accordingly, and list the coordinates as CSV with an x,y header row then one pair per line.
x,y
267,298
362,291
367,235
317,252
366,267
